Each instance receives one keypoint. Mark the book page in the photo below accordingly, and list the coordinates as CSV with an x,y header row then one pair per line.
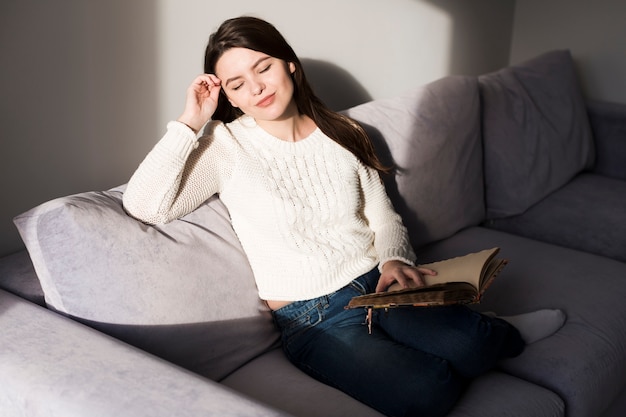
x,y
467,268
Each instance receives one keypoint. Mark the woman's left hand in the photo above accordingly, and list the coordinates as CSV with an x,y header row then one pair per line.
x,y
405,275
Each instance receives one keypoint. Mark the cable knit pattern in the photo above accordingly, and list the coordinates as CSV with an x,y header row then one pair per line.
x,y
309,215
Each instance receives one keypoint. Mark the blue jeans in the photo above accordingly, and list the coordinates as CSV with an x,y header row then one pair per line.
x,y
417,361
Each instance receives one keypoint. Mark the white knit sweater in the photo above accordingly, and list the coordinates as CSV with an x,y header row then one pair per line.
x,y
309,215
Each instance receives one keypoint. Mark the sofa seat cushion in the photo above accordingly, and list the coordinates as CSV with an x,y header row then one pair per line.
x,y
183,290
584,362
272,379
536,132
586,214
431,151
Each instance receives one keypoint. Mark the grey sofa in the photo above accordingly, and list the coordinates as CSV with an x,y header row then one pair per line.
x,y
107,316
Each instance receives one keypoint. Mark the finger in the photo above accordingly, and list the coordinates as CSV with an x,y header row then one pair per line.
x,y
214,79
384,283
426,271
214,91
403,280
208,80
415,276
205,82
202,79
418,280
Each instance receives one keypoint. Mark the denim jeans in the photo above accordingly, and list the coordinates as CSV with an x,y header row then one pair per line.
x,y
417,361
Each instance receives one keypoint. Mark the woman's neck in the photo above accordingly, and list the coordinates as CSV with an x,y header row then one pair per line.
x,y
291,129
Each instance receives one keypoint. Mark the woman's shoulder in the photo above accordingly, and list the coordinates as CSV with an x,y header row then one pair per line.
x,y
217,139
229,131
216,131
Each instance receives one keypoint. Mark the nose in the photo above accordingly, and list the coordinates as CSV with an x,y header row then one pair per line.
x,y
257,88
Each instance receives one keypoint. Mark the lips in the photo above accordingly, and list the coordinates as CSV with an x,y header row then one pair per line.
x,y
266,101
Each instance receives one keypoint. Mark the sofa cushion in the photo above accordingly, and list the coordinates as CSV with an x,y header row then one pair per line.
x,y
18,276
535,130
432,136
608,126
272,379
586,214
52,366
275,381
584,361
183,290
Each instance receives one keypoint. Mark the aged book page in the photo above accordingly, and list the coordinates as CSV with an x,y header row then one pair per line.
x,y
459,280
472,268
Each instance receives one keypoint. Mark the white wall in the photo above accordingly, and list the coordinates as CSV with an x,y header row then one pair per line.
x,y
595,32
385,47
78,101
88,85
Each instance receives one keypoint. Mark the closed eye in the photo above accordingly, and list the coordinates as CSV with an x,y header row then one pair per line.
x,y
266,69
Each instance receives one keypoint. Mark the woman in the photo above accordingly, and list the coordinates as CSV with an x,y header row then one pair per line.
x,y
305,198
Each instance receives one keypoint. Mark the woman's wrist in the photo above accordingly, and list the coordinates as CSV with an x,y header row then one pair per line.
x,y
395,262
189,124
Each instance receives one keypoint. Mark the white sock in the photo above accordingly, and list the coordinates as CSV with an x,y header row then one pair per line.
x,y
537,325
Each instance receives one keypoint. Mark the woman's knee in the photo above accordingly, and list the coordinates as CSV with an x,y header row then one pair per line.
x,y
429,396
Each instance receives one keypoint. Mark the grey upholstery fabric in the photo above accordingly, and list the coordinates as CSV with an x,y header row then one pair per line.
x,y
608,125
568,217
536,133
52,366
584,362
437,186
183,290
291,390
18,276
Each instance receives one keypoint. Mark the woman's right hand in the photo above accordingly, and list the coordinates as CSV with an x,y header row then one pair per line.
x,y
201,101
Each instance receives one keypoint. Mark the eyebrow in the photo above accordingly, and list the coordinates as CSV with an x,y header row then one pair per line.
x,y
256,64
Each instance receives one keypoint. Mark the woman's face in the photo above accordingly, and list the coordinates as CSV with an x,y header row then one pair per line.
x,y
258,84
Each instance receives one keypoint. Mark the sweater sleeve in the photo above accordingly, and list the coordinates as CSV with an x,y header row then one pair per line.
x,y
390,235
179,173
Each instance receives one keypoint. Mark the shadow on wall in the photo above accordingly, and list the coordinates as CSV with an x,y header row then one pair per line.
x,y
333,85
480,42
481,35
79,102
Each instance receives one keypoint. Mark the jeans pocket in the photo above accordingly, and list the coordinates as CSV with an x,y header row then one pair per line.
x,y
358,287
296,320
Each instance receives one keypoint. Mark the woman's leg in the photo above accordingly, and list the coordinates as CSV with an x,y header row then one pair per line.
x,y
471,342
332,344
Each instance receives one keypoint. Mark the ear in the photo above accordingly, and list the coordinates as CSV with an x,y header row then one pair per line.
x,y
292,67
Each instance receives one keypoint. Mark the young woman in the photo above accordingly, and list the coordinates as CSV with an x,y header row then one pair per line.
x,y
305,198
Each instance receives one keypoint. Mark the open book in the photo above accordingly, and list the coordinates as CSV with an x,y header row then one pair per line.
x,y
459,280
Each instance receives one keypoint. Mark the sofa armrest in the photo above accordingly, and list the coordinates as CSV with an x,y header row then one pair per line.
x,y
608,125
53,366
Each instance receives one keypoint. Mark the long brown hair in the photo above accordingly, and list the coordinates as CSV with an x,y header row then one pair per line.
x,y
258,35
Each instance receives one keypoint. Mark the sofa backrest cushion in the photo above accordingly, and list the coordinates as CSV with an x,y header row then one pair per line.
x,y
17,276
535,130
183,290
432,136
